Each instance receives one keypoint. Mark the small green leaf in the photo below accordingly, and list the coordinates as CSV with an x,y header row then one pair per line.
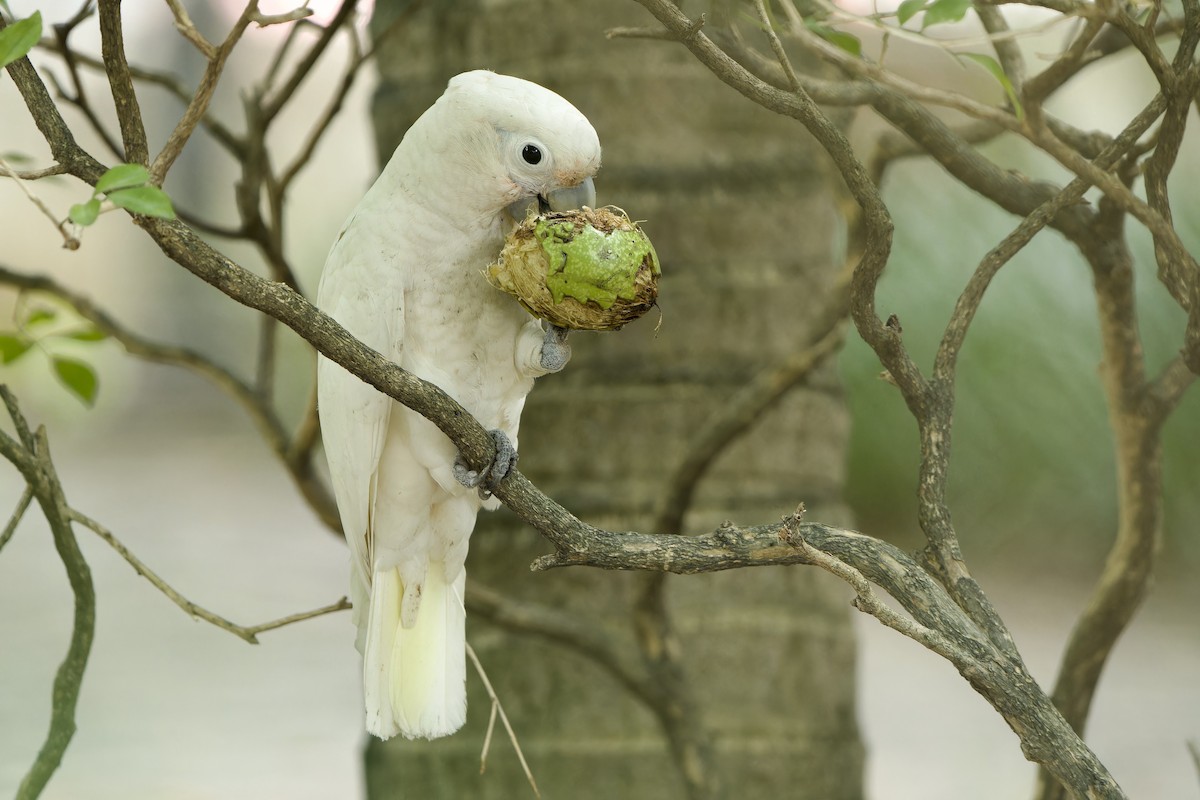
x,y
909,9
87,335
12,347
997,71
148,200
79,377
85,213
847,41
40,315
122,176
19,38
940,11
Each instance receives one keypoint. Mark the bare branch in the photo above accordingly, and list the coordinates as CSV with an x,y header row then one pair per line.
x,y
223,136
274,434
498,708
1008,50
184,24
18,513
551,624
30,454
868,602
273,104
776,45
1042,85
244,632
351,73
129,113
198,107
737,415
37,174
70,242
265,20
968,303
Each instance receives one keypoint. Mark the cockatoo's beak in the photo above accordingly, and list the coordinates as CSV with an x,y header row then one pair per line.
x,y
572,197
565,199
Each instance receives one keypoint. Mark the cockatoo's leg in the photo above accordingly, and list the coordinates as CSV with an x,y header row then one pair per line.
x,y
485,480
555,350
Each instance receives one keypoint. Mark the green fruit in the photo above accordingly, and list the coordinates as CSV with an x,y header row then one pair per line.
x,y
591,269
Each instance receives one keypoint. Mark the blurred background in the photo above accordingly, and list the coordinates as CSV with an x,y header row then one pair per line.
x,y
176,708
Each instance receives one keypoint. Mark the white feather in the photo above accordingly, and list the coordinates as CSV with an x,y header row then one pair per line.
x,y
405,278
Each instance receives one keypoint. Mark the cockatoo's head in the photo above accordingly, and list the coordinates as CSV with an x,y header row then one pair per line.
x,y
503,143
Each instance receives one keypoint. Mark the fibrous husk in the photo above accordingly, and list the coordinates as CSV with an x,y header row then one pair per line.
x,y
589,269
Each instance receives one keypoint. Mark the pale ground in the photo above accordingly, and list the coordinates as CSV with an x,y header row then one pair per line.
x,y
173,708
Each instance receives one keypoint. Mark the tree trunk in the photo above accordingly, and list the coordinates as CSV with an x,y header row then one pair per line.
x,y
741,209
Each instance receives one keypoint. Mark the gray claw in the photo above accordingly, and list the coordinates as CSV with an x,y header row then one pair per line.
x,y
486,479
555,350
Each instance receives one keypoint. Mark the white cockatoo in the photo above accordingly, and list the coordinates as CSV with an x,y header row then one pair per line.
x,y
405,277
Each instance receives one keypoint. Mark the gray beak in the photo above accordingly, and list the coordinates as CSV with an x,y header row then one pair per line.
x,y
583,194
567,199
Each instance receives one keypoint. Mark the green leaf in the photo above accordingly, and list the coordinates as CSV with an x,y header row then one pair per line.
x,y
19,38
79,377
85,213
87,335
149,200
997,71
12,347
40,315
122,176
909,9
847,41
940,11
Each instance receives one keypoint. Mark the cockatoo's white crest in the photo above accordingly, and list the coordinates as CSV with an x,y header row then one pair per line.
x,y
498,139
405,277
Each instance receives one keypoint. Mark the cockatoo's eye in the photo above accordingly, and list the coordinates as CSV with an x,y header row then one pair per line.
x,y
532,154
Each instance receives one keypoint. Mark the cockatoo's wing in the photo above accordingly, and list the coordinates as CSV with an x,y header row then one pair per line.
x,y
370,307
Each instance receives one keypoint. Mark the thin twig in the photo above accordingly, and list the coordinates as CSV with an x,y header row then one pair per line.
x,y
272,105
223,135
184,24
69,241
15,518
777,46
317,131
499,709
266,20
561,628
246,633
198,107
38,174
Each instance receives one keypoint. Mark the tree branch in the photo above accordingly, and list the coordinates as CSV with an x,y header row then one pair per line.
x,y
30,454
18,513
129,113
247,633
295,453
198,107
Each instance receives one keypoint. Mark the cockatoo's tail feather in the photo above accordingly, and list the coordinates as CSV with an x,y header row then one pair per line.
x,y
414,678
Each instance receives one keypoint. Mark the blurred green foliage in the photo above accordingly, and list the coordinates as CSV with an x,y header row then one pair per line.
x,y
1032,459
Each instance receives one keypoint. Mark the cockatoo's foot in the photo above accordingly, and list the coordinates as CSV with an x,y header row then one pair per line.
x,y
486,479
555,350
